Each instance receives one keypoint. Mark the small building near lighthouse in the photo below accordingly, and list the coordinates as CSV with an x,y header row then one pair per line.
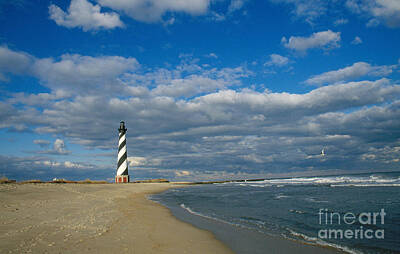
x,y
122,175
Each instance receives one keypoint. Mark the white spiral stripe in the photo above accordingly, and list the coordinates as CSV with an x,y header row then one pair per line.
x,y
122,168
121,152
121,139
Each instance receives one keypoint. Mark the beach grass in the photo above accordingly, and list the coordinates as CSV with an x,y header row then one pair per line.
x,y
6,180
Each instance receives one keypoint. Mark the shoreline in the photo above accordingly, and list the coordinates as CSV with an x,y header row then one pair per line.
x,y
98,218
243,240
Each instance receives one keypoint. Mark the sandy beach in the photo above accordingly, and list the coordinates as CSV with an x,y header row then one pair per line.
x,y
113,218
94,218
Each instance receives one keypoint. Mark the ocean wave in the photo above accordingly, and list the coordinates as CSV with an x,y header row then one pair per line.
x,y
280,196
263,185
371,180
296,211
259,223
188,209
254,221
317,241
366,185
193,212
313,200
260,185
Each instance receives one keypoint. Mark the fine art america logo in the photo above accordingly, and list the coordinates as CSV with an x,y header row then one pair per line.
x,y
346,220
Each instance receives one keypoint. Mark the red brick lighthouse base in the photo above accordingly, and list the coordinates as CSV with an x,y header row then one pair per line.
x,y
122,179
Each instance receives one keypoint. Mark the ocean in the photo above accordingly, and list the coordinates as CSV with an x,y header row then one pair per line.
x,y
354,213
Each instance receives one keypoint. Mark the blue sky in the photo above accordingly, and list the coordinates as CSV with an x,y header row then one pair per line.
x,y
209,89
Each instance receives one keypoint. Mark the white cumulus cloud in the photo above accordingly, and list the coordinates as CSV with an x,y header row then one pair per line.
x,y
189,86
82,13
277,60
14,62
357,40
379,11
153,10
325,40
307,9
77,72
352,72
137,161
236,5
182,173
59,147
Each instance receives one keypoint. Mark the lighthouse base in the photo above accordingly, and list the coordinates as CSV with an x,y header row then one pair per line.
x,y
122,179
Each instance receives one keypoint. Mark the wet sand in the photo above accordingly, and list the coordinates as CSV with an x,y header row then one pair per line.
x,y
94,218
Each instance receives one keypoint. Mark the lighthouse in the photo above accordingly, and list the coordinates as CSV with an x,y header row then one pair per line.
x,y
122,166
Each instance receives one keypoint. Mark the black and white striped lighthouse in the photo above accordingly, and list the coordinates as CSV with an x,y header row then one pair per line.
x,y
122,166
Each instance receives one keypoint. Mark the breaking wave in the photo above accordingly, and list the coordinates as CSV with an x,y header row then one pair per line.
x,y
317,241
333,181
